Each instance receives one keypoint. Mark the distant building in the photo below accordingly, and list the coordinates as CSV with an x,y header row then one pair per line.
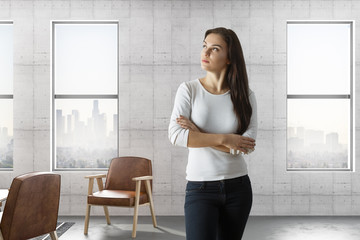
x,y
291,132
300,132
332,142
115,123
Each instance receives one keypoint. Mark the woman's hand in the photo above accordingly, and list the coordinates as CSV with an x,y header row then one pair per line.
x,y
238,142
187,124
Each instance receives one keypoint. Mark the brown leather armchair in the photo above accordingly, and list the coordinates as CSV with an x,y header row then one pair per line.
x,y
128,184
32,206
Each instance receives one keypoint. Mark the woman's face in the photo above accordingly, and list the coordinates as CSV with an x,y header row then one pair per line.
x,y
214,55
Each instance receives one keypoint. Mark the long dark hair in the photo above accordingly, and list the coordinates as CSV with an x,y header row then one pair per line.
x,y
236,77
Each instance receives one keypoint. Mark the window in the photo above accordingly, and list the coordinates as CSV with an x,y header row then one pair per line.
x,y
320,95
85,94
6,95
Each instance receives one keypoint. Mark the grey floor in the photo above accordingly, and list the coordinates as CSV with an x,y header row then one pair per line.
x,y
258,228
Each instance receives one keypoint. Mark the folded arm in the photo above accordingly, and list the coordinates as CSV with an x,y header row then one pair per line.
x,y
221,142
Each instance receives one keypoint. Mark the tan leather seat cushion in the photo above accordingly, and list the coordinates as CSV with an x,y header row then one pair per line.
x,y
116,198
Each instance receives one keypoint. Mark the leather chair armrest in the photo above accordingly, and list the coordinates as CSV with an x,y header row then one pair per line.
x,y
96,176
142,178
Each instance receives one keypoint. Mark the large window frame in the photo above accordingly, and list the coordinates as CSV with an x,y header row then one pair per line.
x,y
81,96
350,97
8,96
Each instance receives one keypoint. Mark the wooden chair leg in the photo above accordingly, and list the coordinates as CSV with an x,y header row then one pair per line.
x,y
87,218
152,210
54,236
106,210
136,208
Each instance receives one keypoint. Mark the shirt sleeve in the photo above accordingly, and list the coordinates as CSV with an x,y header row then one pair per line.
x,y
178,136
253,126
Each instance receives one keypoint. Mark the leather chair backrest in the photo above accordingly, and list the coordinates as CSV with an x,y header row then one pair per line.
x,y
32,206
123,169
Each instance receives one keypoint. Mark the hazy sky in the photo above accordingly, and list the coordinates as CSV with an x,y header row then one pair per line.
x,y
6,58
319,60
328,115
86,58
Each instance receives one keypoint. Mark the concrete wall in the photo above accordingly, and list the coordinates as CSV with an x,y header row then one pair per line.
x,y
160,43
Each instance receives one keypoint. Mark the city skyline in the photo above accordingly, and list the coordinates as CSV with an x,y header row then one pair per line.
x,y
84,108
309,148
85,140
328,115
314,136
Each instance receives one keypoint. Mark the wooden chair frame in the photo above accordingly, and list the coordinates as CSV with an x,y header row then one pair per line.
x,y
138,180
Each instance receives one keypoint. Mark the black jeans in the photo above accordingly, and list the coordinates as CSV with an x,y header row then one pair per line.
x,y
217,210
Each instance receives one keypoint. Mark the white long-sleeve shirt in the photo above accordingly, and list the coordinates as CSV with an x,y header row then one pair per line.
x,y
213,114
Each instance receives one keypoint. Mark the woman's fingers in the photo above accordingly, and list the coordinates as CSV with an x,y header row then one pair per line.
x,y
181,119
247,144
183,123
239,142
244,150
186,123
248,139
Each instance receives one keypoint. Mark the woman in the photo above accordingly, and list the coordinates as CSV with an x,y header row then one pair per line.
x,y
215,117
